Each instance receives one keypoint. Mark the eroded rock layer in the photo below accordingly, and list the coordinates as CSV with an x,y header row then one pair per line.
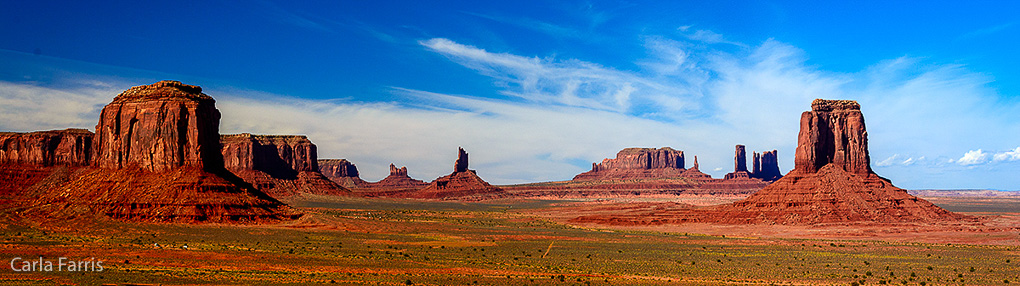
x,y
159,127
342,172
279,165
638,163
46,148
158,156
398,179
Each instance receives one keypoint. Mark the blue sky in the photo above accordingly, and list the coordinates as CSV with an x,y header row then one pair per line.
x,y
536,91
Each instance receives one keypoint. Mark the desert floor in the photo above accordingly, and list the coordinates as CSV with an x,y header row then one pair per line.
x,y
517,242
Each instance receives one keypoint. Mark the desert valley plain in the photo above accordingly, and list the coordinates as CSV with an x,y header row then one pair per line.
x,y
155,195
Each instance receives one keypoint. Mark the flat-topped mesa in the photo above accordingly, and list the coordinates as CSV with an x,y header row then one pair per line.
x,y
643,158
279,165
163,90
338,168
46,148
342,172
461,165
833,132
832,105
159,127
278,155
157,153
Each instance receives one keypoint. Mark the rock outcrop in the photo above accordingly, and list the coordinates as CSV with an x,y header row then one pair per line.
x,y
46,148
281,156
158,156
833,133
638,163
279,165
831,183
342,172
766,166
159,127
462,184
399,180
739,165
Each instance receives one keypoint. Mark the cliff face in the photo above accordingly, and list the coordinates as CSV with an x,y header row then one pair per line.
x,y
158,156
638,163
766,166
281,156
46,148
279,165
159,127
342,172
833,133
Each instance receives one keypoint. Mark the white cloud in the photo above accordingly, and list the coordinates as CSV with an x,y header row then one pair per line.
x,y
973,157
888,161
572,82
28,107
1011,155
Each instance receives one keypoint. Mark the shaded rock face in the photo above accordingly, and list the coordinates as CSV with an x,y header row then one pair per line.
x,y
833,132
398,179
47,148
739,165
462,184
740,159
159,127
336,168
461,165
638,163
280,156
279,165
766,166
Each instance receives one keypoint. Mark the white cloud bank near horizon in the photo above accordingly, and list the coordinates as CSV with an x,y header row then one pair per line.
x,y
562,114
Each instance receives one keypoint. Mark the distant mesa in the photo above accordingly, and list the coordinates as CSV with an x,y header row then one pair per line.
x,y
766,166
831,183
279,165
159,127
342,172
47,148
462,184
638,163
155,156
398,179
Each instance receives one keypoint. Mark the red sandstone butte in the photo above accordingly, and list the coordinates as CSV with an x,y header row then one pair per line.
x,y
831,183
158,156
398,179
46,148
638,163
461,184
342,172
279,165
